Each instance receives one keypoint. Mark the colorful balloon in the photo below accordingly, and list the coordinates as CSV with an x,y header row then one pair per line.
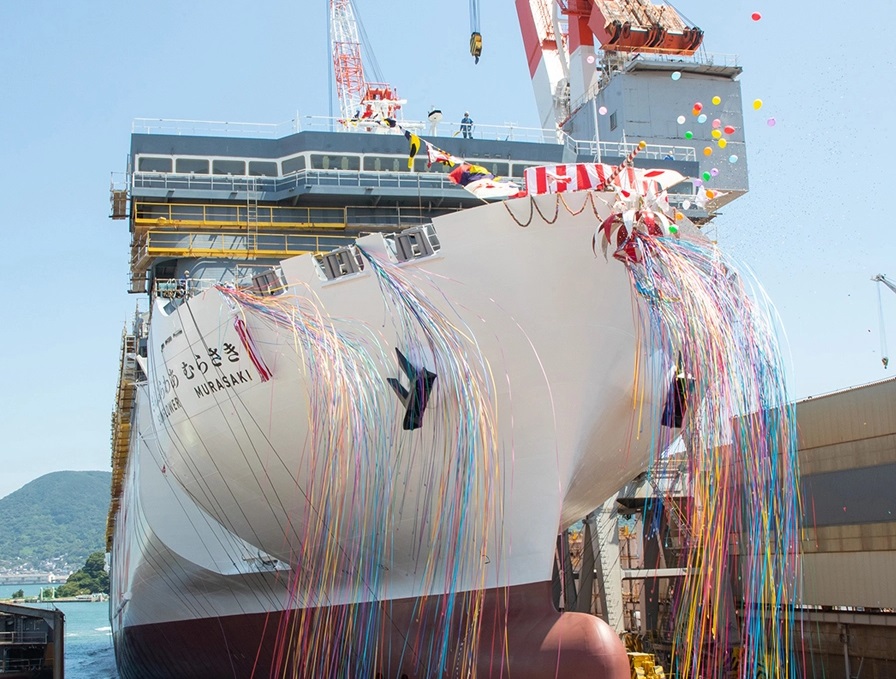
x,y
710,194
698,183
772,122
732,158
755,16
729,129
686,204
701,118
757,104
723,143
681,120
698,106
676,75
688,135
706,176
716,123
716,134
716,100
602,110
707,151
590,59
714,172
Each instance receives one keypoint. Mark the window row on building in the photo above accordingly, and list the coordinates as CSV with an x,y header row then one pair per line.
x,y
309,161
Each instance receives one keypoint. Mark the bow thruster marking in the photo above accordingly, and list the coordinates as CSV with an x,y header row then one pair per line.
x,y
414,399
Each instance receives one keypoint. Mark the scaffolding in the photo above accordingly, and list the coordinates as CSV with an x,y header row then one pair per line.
x,y
121,425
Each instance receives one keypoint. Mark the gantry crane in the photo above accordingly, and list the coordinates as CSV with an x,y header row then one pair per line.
x,y
559,39
883,280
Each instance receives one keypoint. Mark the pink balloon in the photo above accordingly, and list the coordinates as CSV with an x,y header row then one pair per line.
x,y
772,122
716,123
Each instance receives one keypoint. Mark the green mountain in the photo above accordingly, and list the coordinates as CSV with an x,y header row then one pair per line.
x,y
55,522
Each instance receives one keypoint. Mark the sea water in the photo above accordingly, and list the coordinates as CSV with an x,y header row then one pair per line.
x,y
88,638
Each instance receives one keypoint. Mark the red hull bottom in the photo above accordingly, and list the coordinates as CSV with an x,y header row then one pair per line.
x,y
535,642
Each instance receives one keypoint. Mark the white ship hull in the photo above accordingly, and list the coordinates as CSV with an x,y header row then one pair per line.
x,y
229,475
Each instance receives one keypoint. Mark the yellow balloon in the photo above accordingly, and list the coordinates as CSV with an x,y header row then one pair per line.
x,y
757,104
716,134
707,151
717,100
723,143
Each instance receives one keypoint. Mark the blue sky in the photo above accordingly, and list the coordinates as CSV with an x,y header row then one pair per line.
x,y
815,226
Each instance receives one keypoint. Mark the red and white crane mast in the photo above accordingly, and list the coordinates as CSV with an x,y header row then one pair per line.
x,y
559,39
545,54
348,69
358,98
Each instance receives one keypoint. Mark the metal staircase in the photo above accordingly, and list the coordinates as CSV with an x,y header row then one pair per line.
x,y
252,217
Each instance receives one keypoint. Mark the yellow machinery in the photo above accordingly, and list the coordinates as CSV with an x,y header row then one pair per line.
x,y
643,666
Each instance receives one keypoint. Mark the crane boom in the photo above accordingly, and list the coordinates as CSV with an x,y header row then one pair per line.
x,y
358,97
547,63
348,68
881,278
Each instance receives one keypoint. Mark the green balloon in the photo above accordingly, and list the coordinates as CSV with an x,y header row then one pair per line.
x,y
688,135
706,176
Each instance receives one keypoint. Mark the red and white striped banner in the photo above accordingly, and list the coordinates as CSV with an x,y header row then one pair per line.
x,y
590,176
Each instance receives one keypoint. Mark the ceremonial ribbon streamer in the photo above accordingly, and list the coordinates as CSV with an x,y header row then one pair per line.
x,y
356,460
717,334
254,355
461,476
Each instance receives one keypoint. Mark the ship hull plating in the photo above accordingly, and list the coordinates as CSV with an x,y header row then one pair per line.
x,y
528,333
539,642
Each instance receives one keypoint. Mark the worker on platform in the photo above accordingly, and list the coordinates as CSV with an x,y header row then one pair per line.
x,y
466,125
183,285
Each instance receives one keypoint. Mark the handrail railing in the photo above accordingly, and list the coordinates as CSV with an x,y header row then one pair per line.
x,y
302,178
21,665
215,128
237,216
235,246
27,637
176,288
612,149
